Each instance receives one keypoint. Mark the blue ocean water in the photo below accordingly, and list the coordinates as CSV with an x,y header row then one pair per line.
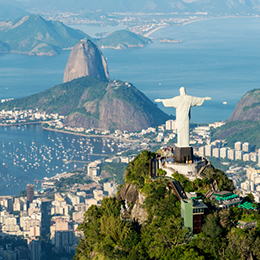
x,y
29,153
219,58
91,30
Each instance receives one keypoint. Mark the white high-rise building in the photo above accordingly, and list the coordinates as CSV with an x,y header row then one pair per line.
x,y
239,155
202,151
253,157
215,152
170,125
238,146
252,186
246,147
94,168
246,157
223,152
245,185
231,154
208,150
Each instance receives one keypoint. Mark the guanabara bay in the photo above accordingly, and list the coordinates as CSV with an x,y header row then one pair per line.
x,y
129,130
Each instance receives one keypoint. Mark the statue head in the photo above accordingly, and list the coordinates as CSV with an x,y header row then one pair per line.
x,y
182,91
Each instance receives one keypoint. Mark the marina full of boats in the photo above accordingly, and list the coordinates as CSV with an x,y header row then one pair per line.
x,y
30,153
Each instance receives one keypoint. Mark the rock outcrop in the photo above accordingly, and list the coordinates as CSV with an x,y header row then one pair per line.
x,y
138,213
85,60
131,194
248,108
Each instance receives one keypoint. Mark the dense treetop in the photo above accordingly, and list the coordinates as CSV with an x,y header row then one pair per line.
x,y
107,236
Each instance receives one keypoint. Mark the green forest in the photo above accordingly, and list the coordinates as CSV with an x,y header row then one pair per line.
x,y
244,131
162,236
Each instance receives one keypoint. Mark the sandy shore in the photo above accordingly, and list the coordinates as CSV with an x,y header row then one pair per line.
x,y
90,135
195,20
25,123
154,30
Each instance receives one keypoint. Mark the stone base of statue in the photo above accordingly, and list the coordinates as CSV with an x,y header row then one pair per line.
x,y
183,154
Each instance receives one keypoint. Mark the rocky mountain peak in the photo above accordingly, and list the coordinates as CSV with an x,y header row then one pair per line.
x,y
248,107
85,60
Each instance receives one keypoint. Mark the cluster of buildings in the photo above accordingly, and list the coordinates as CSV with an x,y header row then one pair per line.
x,y
251,184
24,116
218,148
23,217
37,215
6,99
241,151
21,252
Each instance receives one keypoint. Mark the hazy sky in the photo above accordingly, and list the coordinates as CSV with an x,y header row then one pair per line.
x,y
214,6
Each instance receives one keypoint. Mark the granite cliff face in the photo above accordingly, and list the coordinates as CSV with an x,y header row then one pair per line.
x,y
248,108
117,105
85,60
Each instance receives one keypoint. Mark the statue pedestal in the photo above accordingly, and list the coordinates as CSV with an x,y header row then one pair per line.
x,y
183,154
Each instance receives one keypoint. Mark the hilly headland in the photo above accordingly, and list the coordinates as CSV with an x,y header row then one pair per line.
x,y
88,98
244,123
34,35
90,102
123,39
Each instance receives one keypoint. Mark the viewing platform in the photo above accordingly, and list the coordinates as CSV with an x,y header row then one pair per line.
x,y
190,170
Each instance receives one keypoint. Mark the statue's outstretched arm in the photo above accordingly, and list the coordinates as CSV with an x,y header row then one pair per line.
x,y
207,98
170,102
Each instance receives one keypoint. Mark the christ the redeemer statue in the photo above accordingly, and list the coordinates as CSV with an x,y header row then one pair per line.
x,y
183,103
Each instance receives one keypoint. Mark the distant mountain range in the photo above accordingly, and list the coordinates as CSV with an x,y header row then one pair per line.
x,y
34,35
244,123
166,6
89,99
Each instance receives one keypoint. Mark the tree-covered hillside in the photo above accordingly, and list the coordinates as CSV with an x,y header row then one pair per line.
x,y
123,39
108,235
243,131
95,103
244,123
32,34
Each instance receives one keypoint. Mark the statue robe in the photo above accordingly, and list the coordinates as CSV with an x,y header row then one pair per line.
x,y
183,103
